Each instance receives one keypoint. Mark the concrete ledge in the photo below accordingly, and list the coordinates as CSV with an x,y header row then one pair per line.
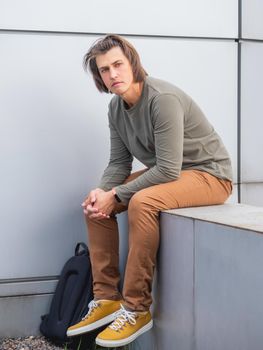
x,y
208,294
234,215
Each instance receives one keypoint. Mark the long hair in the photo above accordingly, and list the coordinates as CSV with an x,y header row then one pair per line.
x,y
103,45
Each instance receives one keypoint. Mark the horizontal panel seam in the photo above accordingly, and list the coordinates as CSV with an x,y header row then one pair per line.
x,y
28,279
123,34
24,295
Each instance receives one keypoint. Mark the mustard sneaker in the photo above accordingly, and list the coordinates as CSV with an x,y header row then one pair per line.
x,y
126,328
101,312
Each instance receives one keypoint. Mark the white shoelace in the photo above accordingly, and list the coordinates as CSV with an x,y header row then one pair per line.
x,y
92,305
123,316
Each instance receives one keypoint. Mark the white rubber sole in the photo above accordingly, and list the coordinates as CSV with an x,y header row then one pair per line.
x,y
91,327
122,342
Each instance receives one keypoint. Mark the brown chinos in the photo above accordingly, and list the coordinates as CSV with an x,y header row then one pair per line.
x,y
193,188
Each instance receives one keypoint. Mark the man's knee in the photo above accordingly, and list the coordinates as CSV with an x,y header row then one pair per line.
x,y
139,203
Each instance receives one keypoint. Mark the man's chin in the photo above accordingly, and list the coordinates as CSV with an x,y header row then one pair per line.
x,y
118,91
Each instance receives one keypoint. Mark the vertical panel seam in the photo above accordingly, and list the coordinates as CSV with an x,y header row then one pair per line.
x,y
240,19
239,121
194,311
239,101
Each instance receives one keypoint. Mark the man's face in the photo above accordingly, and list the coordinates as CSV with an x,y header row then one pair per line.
x,y
115,70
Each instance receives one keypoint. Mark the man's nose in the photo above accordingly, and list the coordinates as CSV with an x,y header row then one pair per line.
x,y
113,73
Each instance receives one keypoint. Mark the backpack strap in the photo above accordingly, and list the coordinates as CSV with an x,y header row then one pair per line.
x,y
83,251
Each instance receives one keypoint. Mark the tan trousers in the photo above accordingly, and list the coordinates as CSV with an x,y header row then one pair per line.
x,y
193,188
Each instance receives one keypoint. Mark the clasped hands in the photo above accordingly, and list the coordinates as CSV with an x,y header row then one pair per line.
x,y
99,204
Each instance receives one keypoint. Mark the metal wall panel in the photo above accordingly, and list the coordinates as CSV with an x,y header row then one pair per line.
x,y
21,316
252,24
251,112
51,115
252,193
217,18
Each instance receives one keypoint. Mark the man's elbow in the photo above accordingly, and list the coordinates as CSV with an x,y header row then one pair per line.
x,y
171,174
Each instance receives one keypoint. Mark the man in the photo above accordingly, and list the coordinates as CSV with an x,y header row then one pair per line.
x,y
186,165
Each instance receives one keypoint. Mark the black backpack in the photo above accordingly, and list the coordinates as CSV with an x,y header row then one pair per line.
x,y
72,296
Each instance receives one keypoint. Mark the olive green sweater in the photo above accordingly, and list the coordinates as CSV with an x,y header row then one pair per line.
x,y
167,132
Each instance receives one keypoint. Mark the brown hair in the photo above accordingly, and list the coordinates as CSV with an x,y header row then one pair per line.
x,y
103,45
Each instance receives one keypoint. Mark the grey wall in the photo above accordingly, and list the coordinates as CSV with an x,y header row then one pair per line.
x,y
54,135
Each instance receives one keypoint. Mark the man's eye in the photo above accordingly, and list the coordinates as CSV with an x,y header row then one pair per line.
x,y
117,64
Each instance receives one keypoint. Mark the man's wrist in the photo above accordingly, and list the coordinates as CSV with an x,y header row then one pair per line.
x,y
115,195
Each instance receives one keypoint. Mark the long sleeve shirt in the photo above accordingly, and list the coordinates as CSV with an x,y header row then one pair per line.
x,y
167,132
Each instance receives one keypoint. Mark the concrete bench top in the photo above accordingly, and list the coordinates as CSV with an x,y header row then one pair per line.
x,y
237,215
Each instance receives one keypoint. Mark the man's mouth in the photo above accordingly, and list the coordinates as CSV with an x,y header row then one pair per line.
x,y
116,83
